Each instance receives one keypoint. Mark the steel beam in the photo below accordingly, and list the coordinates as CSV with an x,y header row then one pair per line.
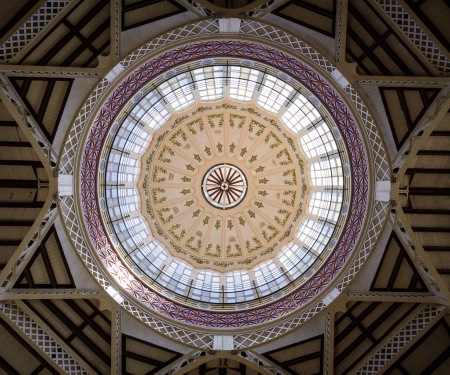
x,y
10,124
411,171
440,133
431,229
425,211
26,163
19,184
16,223
404,297
429,191
116,342
13,243
21,204
436,248
434,152
14,144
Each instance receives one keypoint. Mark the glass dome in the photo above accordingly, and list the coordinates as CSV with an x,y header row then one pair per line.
x,y
148,100
153,162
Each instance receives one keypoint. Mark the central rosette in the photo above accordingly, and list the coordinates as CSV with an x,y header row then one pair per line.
x,y
223,185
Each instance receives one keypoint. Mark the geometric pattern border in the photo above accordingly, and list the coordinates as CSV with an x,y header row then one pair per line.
x,y
309,78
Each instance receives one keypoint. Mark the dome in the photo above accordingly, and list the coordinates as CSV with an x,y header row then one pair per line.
x,y
238,201
160,158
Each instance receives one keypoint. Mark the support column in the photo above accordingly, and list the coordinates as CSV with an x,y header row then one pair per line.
x,y
341,32
116,341
115,28
328,364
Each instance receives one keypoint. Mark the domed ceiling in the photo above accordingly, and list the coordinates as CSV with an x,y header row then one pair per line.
x,y
198,187
221,186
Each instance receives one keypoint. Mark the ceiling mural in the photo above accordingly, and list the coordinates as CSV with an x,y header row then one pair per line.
x,y
237,161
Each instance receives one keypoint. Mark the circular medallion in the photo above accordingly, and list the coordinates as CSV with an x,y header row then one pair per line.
x,y
224,186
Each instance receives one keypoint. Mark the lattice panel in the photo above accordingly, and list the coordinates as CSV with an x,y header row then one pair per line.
x,y
206,27
263,362
31,28
274,35
248,340
27,252
400,340
412,30
28,119
433,350
195,339
196,7
42,339
181,362
379,215
67,207
381,163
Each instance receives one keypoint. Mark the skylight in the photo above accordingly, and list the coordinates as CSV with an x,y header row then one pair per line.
x,y
152,110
